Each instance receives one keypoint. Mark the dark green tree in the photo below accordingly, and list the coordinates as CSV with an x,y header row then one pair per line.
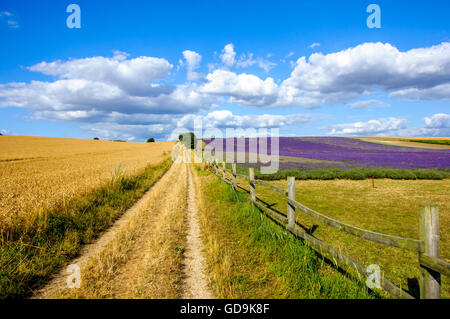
x,y
189,140
151,140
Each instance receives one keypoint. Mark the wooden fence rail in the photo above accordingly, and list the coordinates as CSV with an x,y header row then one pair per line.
x,y
427,247
388,240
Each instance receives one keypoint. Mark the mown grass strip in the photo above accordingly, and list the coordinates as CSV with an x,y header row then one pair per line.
x,y
249,256
29,259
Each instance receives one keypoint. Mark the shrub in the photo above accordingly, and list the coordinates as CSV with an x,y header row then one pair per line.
x,y
96,138
355,174
151,140
358,173
429,174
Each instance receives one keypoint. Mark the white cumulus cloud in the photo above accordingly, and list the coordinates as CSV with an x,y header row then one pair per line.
x,y
437,125
135,76
228,55
225,118
242,88
119,91
385,126
342,76
193,60
440,120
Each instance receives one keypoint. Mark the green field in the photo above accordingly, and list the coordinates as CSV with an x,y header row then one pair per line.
x,y
249,256
392,207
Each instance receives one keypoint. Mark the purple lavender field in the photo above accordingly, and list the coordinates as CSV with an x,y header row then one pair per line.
x,y
340,152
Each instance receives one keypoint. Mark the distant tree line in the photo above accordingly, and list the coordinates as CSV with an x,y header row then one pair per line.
x,y
150,140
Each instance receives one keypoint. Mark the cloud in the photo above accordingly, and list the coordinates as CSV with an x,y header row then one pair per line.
x,y
115,84
228,55
437,125
121,126
193,60
10,21
440,120
339,77
438,92
13,24
248,60
290,54
74,94
265,64
135,76
315,44
365,104
115,131
122,92
385,126
343,76
127,92
226,119
246,89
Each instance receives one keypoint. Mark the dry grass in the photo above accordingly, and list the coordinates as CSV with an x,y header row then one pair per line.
x,y
393,207
141,256
40,173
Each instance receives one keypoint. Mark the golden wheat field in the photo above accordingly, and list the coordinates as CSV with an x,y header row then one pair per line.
x,y
37,173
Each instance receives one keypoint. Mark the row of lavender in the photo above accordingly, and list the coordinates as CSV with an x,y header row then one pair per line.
x,y
342,152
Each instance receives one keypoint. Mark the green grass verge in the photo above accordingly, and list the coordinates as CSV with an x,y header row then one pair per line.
x,y
29,259
249,256
351,173
438,142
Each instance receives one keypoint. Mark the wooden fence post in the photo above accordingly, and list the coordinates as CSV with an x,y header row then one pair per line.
x,y
216,167
251,174
430,280
234,176
291,208
224,170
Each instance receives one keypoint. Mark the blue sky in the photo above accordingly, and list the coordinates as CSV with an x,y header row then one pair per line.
x,y
138,69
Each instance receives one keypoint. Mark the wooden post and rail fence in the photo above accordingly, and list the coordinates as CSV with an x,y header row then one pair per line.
x,y
427,247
